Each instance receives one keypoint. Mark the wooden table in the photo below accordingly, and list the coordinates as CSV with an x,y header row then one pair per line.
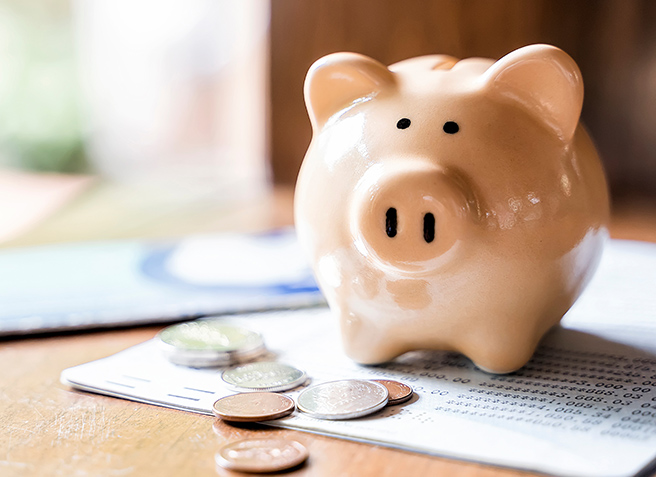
x,y
48,429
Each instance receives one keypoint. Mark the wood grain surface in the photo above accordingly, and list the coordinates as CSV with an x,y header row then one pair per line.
x,y
51,430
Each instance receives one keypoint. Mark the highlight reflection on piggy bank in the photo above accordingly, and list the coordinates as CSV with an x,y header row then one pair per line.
x,y
451,205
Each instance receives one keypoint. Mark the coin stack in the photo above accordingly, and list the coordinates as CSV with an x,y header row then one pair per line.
x,y
205,343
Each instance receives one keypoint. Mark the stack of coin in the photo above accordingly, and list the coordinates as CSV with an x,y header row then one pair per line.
x,y
263,376
204,343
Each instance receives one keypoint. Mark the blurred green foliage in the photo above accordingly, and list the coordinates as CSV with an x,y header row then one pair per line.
x,y
41,125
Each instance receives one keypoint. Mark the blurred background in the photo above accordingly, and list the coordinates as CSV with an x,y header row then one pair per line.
x,y
159,114
613,41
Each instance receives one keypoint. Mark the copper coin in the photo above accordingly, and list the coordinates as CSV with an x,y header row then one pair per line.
x,y
253,407
398,392
261,455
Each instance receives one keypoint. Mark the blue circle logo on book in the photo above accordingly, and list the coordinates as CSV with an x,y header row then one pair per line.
x,y
269,262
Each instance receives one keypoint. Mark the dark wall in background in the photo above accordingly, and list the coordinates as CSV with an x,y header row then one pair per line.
x,y
613,41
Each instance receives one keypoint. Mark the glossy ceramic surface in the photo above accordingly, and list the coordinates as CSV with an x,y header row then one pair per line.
x,y
452,205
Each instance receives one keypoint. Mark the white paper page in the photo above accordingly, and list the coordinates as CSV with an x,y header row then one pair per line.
x,y
585,404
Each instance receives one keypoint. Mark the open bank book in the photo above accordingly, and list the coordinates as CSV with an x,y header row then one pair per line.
x,y
585,405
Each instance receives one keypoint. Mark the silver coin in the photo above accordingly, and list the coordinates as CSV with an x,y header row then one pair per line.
x,y
263,376
345,399
204,343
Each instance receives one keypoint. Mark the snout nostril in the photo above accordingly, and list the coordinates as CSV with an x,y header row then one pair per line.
x,y
390,222
429,227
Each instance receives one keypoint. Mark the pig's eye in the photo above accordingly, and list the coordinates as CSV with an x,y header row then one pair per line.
x,y
451,127
403,123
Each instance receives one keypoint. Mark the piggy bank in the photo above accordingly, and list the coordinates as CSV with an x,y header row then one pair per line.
x,y
450,204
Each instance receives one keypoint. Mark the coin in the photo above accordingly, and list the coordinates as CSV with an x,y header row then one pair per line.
x,y
346,399
204,343
253,407
263,376
398,392
261,455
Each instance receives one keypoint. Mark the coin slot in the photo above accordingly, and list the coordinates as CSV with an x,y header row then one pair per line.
x,y
429,227
391,222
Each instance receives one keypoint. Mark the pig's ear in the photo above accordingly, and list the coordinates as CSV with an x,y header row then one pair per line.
x,y
338,80
545,81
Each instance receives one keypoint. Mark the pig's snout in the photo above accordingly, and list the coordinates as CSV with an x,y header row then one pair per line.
x,y
410,215
392,224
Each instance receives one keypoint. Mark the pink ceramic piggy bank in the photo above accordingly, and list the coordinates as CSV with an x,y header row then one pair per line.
x,y
450,205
